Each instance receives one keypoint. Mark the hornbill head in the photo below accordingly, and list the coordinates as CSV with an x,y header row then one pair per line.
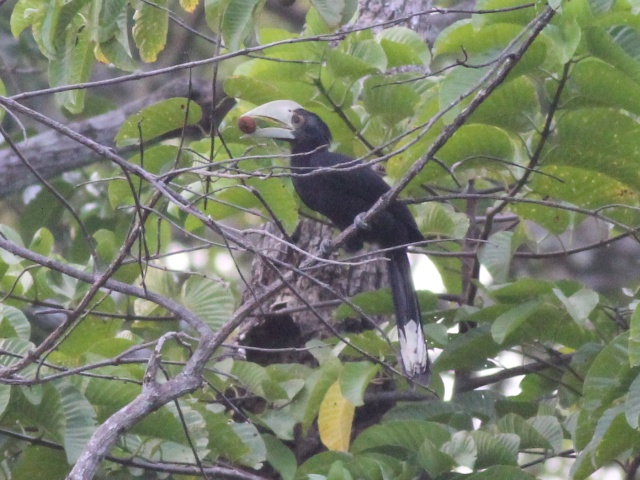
x,y
304,130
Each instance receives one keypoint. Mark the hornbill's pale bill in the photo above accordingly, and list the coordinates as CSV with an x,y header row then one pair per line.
x,y
341,195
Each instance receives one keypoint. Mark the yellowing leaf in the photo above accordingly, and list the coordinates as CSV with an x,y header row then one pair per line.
x,y
335,419
150,29
189,5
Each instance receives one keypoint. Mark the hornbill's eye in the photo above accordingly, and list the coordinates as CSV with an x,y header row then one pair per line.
x,y
297,120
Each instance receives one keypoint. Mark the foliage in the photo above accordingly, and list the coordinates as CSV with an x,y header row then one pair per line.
x,y
528,118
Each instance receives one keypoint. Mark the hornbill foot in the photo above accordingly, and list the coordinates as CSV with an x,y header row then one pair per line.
x,y
360,223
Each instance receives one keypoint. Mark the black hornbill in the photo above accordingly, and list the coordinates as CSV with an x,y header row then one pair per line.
x,y
331,184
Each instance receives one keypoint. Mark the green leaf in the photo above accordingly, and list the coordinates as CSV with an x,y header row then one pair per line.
x,y
89,332
14,323
71,67
468,351
237,22
362,58
434,461
80,420
453,86
580,304
44,210
627,38
601,6
223,440
40,463
596,163
278,198
259,91
280,457
257,452
112,13
210,300
42,241
634,338
495,255
439,219
163,117
378,302
354,380
404,434
338,472
521,289
511,320
495,449
393,102
529,436
512,106
462,41
612,437
594,82
501,472
403,47
335,12
150,29
462,448
632,404
3,92
317,385
609,375
549,427
477,146
25,13
16,348
602,45
113,51
5,396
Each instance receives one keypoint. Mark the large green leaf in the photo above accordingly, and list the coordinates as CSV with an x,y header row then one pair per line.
x,y
403,434
25,13
529,436
612,436
335,12
501,449
354,380
403,47
211,300
237,22
496,254
40,463
156,120
14,323
72,66
501,472
280,457
512,106
634,338
596,162
512,319
80,419
392,101
362,57
462,40
594,82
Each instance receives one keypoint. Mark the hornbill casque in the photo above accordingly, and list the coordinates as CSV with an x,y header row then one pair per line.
x,y
341,193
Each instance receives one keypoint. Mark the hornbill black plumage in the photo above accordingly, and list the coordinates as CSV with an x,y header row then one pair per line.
x,y
341,193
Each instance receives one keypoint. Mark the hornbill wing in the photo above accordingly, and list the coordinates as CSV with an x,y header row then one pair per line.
x,y
343,193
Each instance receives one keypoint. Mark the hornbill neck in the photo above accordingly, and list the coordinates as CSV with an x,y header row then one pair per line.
x,y
309,146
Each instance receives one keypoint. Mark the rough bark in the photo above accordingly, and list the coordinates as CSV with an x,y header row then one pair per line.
x,y
292,318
